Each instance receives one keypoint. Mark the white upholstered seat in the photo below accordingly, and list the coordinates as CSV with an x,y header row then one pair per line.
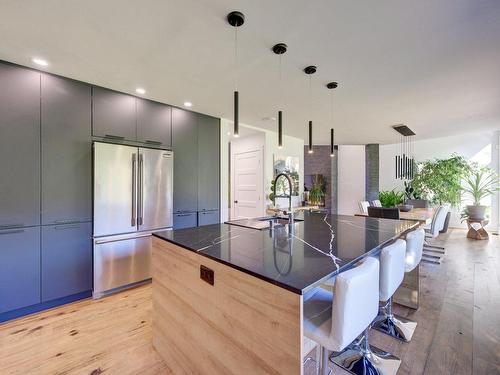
x,y
414,247
376,203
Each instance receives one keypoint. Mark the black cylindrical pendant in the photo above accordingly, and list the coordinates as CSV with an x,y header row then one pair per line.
x,y
332,143
236,114
280,129
310,137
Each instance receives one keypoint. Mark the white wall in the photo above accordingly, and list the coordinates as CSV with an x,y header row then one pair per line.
x,y
478,146
351,178
291,147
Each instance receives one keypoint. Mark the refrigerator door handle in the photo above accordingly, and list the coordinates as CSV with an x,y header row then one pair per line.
x,y
140,184
133,222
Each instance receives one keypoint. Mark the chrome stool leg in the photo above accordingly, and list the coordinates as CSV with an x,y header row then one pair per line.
x,y
361,358
393,325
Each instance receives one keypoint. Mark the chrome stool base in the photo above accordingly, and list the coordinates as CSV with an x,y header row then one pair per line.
x,y
361,358
396,326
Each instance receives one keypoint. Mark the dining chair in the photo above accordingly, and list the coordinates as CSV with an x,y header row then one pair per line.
x,y
363,206
384,213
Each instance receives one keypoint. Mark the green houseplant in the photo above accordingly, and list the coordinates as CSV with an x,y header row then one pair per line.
x,y
440,180
391,198
478,184
317,191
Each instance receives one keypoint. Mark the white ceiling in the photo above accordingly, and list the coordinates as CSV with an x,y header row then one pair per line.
x,y
432,65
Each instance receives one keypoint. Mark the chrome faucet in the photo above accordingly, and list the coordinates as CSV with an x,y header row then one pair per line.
x,y
289,196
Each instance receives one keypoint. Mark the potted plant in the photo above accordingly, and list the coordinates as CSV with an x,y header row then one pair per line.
x,y
391,198
479,184
317,191
440,181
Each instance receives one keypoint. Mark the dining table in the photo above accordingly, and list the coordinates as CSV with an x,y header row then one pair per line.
x,y
422,215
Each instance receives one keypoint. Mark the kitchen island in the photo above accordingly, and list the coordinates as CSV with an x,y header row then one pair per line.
x,y
228,299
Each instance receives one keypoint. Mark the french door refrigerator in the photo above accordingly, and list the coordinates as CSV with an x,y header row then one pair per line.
x,y
132,198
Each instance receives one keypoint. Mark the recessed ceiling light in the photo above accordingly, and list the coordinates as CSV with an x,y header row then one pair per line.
x,y
39,61
140,90
188,104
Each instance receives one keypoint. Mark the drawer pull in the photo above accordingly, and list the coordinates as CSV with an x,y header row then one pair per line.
x,y
12,231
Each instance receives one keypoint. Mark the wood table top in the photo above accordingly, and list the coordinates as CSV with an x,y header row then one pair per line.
x,y
422,215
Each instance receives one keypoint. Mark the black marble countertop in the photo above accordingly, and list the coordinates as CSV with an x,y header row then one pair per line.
x,y
316,249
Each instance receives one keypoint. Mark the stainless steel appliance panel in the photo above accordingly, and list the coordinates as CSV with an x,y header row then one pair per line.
x,y
115,189
155,199
120,261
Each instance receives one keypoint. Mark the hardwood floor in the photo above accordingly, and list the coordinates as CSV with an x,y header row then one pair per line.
x,y
458,325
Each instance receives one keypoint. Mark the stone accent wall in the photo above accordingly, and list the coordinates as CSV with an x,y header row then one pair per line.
x,y
320,162
372,171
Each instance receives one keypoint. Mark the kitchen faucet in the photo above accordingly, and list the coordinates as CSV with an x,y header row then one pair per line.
x,y
289,196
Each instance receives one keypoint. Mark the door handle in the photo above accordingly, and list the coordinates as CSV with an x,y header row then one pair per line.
x,y
235,201
140,185
134,192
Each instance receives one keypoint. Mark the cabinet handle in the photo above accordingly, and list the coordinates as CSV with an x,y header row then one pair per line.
x,y
114,136
12,231
153,142
63,227
69,221
182,215
15,225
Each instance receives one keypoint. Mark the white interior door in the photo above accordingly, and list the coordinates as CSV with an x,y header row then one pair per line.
x,y
247,184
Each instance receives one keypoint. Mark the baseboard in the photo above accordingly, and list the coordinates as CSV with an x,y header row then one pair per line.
x,y
14,314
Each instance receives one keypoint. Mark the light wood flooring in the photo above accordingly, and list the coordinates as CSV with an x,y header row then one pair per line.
x,y
458,325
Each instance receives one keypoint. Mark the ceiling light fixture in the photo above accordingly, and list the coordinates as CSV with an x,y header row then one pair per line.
x,y
405,161
188,104
331,86
236,19
39,61
310,70
280,49
140,91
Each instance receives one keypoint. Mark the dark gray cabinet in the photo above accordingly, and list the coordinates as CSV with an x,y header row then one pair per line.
x,y
185,220
19,147
66,260
66,150
185,145
19,268
208,163
113,114
208,217
154,123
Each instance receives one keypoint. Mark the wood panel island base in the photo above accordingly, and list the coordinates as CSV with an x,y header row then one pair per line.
x,y
239,325
229,300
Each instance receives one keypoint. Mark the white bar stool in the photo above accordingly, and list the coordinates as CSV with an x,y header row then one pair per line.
x,y
392,270
336,320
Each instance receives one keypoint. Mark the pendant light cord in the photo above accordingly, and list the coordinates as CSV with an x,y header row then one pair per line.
x,y
235,59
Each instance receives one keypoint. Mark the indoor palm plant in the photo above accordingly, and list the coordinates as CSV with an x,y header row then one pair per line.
x,y
479,184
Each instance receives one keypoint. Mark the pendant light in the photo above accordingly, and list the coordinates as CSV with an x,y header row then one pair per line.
x,y
405,161
331,86
236,19
310,70
280,49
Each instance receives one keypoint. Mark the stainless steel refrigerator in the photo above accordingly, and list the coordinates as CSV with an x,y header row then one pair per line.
x,y
132,198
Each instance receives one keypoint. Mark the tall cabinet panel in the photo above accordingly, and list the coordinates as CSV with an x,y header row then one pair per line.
x,y
66,151
154,123
113,114
19,147
19,268
66,260
185,145
208,163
